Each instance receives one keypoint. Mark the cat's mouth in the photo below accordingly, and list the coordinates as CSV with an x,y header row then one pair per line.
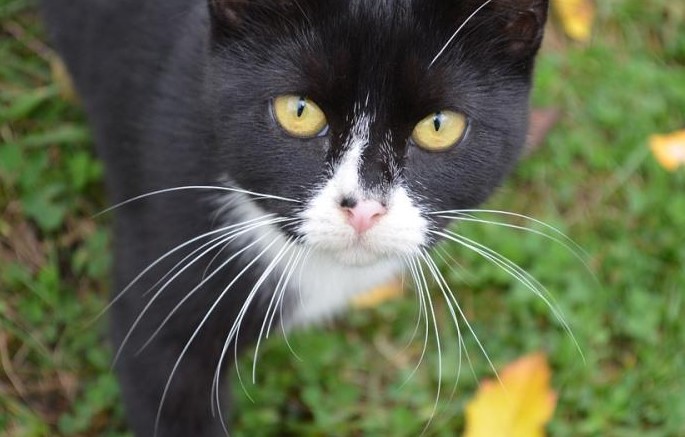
x,y
360,252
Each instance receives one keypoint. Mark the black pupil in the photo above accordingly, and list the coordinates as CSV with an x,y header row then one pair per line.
x,y
301,104
437,121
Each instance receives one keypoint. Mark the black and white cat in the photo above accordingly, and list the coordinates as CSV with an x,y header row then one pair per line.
x,y
284,155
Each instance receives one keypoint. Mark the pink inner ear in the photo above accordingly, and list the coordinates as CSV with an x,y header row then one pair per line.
x,y
525,26
523,22
228,12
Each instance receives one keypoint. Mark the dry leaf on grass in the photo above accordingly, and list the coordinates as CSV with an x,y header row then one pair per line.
x,y
378,295
669,150
519,406
542,120
576,17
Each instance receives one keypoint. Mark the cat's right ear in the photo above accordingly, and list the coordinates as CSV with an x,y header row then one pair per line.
x,y
521,24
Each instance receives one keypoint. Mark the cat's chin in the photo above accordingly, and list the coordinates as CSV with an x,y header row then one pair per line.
x,y
330,279
358,256
348,249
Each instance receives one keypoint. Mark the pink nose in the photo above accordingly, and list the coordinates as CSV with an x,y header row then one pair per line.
x,y
364,215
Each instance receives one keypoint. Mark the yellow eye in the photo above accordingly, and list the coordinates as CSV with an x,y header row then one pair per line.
x,y
439,131
299,116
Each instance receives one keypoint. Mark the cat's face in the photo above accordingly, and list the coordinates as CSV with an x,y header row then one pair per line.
x,y
353,108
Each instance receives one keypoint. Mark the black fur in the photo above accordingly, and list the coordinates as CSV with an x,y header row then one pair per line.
x,y
178,93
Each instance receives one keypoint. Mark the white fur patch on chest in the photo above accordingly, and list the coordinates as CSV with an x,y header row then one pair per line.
x,y
323,287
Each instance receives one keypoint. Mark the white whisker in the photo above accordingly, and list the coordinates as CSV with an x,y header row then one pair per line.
x,y
232,202
419,313
163,257
235,328
564,241
149,304
279,303
216,256
199,327
281,289
453,264
451,301
465,319
305,257
442,285
462,343
192,292
411,264
576,248
454,35
226,238
272,303
299,279
518,273
231,236
437,343
513,269
195,187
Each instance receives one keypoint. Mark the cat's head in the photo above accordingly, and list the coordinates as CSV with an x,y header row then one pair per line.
x,y
371,114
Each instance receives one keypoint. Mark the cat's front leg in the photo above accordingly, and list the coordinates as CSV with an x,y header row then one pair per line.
x,y
186,409
169,333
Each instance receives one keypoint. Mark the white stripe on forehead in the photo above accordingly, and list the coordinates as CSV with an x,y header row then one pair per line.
x,y
360,131
346,174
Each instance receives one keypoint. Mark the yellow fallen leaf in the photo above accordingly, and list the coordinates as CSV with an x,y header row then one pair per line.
x,y
378,295
576,17
519,406
669,150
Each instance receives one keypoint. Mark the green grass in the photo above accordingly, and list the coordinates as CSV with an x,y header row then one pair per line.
x,y
594,178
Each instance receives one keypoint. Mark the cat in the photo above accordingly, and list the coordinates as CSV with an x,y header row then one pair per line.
x,y
270,159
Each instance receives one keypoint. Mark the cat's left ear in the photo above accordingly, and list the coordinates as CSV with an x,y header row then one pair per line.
x,y
522,22
227,12
235,17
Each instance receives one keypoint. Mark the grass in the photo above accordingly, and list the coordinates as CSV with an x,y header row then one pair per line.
x,y
594,179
